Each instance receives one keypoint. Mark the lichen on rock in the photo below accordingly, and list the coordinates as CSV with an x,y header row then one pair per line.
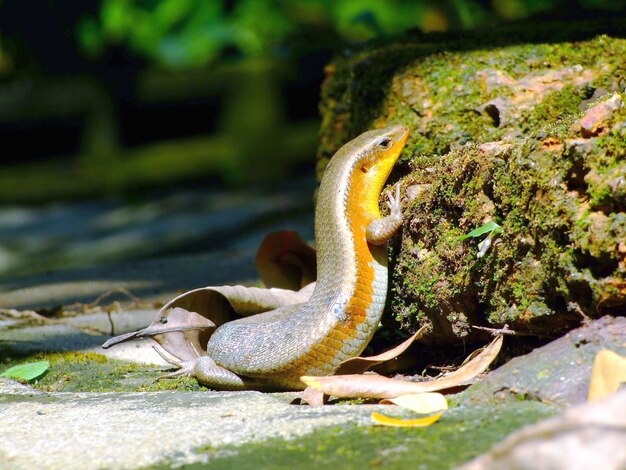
x,y
529,136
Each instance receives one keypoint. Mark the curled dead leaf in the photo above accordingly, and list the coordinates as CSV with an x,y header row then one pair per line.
x,y
285,260
180,332
311,397
358,365
377,386
184,325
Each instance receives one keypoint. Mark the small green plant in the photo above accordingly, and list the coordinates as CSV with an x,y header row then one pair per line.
x,y
27,372
492,230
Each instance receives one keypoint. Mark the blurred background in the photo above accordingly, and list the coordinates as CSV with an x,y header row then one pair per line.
x,y
126,123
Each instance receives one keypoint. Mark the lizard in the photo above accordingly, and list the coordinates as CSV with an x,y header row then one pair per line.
x,y
272,350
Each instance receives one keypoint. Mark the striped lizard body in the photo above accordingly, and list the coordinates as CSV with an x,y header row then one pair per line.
x,y
273,350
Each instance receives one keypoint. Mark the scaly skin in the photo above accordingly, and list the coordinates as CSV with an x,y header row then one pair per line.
x,y
273,350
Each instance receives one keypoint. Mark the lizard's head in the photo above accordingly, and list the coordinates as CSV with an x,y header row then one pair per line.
x,y
355,176
379,150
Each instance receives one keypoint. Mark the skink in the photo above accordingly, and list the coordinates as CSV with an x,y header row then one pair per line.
x,y
273,350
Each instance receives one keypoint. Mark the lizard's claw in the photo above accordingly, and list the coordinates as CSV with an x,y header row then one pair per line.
x,y
394,201
186,369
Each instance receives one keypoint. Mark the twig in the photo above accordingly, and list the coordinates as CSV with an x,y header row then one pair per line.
x,y
576,308
443,368
112,330
104,295
14,313
505,330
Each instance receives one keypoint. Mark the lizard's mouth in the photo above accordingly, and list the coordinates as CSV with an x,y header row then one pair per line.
x,y
399,135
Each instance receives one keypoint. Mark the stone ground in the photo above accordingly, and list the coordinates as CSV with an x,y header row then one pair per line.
x,y
64,253
129,422
130,430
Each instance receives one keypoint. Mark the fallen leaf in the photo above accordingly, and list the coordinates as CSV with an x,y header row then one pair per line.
x,y
177,320
422,403
184,325
310,396
285,260
29,371
405,423
377,386
607,373
358,365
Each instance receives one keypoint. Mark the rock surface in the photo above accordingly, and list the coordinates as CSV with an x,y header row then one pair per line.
x,y
557,373
62,429
244,430
525,133
588,436
131,430
59,254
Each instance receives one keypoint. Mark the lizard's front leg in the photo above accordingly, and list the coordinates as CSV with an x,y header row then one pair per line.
x,y
381,230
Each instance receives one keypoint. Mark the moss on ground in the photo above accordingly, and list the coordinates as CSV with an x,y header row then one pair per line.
x,y
443,445
92,372
510,130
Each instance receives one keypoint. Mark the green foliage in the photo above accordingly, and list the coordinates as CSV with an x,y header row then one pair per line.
x,y
193,32
440,446
184,33
489,227
492,230
27,372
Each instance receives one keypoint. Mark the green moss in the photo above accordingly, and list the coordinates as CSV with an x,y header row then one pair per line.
x,y
494,132
441,94
556,105
91,372
534,189
443,445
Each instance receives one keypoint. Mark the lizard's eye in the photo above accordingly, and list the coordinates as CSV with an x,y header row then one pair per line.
x,y
385,144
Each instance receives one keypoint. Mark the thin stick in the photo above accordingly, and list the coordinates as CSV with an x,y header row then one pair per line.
x,y
505,330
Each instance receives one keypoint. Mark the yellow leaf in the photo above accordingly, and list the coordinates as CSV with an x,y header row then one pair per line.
x,y
423,403
607,373
405,423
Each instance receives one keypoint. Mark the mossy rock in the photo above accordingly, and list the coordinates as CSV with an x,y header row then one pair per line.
x,y
529,135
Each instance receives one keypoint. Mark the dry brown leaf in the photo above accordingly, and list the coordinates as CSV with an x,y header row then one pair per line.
x,y
358,365
218,302
311,397
422,403
376,386
184,325
182,333
405,423
607,373
285,260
